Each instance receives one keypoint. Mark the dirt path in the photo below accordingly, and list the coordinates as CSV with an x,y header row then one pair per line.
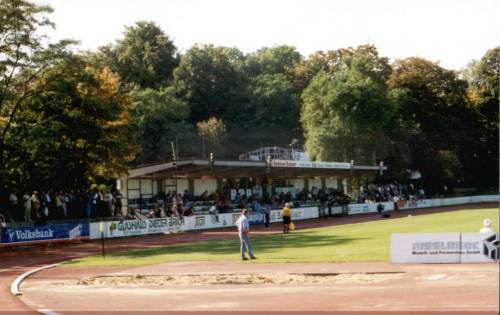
x,y
16,261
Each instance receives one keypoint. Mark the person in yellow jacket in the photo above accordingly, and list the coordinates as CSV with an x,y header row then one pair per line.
x,y
286,213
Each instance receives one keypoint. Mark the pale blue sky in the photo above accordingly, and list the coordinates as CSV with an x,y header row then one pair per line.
x,y
450,31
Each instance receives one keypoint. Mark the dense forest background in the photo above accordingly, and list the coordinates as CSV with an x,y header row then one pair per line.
x,y
70,118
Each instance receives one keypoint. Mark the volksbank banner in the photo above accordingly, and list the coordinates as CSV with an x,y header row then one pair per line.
x,y
46,233
445,248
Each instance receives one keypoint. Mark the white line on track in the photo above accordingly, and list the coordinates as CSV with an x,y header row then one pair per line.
x,y
14,286
47,312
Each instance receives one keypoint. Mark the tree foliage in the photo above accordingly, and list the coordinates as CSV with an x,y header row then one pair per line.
x,y
214,134
160,119
74,128
67,118
24,59
346,114
144,58
208,79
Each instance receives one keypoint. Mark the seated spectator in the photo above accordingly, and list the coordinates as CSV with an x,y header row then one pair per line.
x,y
204,196
133,214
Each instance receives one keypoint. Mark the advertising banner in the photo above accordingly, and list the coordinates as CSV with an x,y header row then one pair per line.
x,y
444,248
308,164
439,202
297,214
369,207
137,227
41,234
196,222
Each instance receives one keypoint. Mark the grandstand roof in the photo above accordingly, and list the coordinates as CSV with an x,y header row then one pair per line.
x,y
196,168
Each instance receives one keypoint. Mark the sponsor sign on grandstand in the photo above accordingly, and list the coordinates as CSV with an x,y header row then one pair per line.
x,y
445,248
308,164
369,207
40,234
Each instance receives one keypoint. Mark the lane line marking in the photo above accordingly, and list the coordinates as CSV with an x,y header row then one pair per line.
x,y
48,312
14,286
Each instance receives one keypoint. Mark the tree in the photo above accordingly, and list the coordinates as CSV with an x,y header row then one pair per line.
x,y
24,59
75,128
346,114
483,92
160,119
273,115
209,80
274,60
213,133
144,58
435,103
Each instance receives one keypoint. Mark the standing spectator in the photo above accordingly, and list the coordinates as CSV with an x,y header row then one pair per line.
x,y
3,226
244,235
486,229
27,207
108,198
256,207
95,200
45,200
39,213
87,203
286,213
421,193
118,203
213,211
267,215
61,204
13,205
34,199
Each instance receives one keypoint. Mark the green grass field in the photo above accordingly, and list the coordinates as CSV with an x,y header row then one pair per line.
x,y
369,241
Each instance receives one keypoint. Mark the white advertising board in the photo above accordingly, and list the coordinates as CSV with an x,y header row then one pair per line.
x,y
297,214
369,207
336,210
441,248
196,222
137,227
427,203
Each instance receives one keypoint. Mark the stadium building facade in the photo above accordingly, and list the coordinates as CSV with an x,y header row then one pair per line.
x,y
269,170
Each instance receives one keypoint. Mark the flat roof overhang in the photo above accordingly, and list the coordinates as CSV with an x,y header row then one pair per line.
x,y
197,168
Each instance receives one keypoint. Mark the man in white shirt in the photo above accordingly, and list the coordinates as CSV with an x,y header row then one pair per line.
x,y
244,234
487,227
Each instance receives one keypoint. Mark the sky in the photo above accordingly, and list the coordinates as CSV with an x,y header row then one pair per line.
x,y
452,32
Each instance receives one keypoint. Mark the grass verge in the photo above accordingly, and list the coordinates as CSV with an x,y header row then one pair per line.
x,y
368,241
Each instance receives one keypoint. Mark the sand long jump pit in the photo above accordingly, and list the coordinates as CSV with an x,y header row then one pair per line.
x,y
231,286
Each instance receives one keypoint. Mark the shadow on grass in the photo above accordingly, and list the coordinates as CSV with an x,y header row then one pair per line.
x,y
262,244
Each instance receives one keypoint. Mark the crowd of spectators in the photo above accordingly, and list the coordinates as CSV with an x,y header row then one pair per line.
x,y
186,204
39,206
393,192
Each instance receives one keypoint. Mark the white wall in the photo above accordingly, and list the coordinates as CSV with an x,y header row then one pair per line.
x,y
315,182
200,185
331,182
298,183
147,186
182,184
